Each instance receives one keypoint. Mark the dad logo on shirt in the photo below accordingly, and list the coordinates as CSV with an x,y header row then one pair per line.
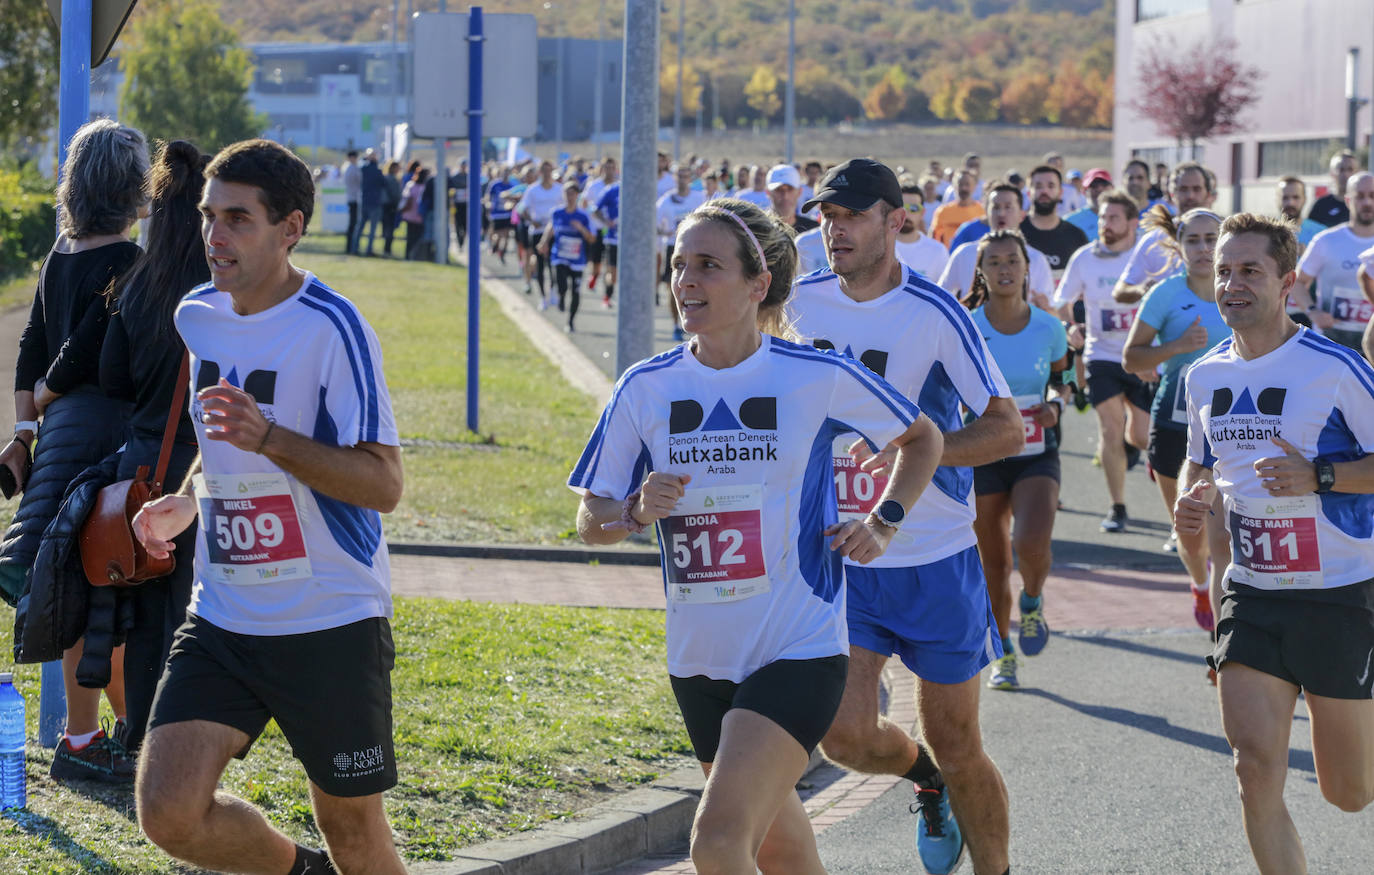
x,y
873,359
723,436
262,385
1243,422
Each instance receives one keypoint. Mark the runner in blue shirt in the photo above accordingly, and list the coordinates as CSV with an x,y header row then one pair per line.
x,y
499,211
1031,348
608,213
565,243
1177,323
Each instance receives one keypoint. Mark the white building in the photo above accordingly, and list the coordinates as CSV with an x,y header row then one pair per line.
x,y
1300,118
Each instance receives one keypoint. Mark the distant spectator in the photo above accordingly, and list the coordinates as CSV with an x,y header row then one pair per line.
x,y
373,190
353,193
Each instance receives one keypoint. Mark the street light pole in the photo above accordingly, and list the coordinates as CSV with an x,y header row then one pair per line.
x,y
395,86
600,81
639,181
790,106
677,102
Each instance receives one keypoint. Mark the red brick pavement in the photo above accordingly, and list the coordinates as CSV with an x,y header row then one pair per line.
x,y
1075,599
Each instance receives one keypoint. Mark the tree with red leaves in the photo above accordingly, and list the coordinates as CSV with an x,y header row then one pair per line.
x,y
1195,92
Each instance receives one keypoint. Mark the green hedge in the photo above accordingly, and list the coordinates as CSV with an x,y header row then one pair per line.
x,y
27,222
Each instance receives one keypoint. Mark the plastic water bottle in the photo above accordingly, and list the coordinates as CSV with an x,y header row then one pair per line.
x,y
12,793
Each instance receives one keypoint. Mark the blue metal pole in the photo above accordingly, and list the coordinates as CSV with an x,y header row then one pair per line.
x,y
475,110
73,108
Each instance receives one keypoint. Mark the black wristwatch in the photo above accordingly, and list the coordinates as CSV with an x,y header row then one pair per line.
x,y
890,513
1326,476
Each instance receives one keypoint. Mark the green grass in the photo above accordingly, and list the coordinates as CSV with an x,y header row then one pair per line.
x,y
17,291
505,484
507,716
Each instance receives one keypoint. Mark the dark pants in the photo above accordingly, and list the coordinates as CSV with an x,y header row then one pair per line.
x,y
460,223
414,231
568,280
351,241
372,217
159,605
388,226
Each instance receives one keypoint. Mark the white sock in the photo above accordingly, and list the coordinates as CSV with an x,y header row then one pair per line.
x,y
80,741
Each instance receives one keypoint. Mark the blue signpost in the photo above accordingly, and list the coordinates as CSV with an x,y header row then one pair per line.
x,y
73,108
475,40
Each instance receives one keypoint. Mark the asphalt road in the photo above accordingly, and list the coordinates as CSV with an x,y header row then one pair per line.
x,y
1115,762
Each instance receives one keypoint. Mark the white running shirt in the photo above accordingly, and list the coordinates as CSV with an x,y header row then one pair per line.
x,y
591,196
1091,275
1333,260
1235,406
1150,261
924,343
748,575
315,367
540,203
925,255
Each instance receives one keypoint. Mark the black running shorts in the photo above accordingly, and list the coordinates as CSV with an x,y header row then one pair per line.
x,y
800,695
1168,449
329,691
1001,476
1106,380
1319,639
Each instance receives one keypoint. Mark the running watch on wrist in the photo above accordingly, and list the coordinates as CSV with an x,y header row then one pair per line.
x,y
890,513
1326,476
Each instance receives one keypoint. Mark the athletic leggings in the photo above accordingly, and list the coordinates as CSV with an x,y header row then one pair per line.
x,y
568,278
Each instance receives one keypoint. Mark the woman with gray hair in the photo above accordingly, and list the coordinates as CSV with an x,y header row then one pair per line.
x,y
101,195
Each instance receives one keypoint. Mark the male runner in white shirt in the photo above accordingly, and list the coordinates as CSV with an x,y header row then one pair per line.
x,y
1295,469
289,613
1339,307
927,601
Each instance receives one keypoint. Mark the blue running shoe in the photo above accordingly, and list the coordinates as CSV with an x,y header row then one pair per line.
x,y
939,840
1034,633
1004,674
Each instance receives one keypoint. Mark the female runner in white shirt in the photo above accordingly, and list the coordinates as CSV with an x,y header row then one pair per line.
x,y
724,443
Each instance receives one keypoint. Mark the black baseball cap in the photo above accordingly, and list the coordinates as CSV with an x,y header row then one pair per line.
x,y
857,184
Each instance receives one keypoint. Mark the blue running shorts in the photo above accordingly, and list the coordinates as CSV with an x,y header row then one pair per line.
x,y
936,617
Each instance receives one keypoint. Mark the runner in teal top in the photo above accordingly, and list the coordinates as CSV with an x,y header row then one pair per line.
x,y
1030,347
1177,323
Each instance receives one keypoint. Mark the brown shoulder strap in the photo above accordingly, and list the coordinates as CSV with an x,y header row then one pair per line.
x,y
173,417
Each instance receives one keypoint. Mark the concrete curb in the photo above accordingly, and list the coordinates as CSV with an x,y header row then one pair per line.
x,y
652,820
580,555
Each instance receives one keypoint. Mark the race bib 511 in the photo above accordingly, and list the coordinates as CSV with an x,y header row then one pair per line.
x,y
1274,542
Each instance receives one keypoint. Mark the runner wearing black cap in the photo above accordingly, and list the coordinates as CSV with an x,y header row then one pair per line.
x,y
926,599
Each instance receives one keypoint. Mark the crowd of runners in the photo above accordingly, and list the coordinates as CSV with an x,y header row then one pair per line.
x,y
850,447
899,413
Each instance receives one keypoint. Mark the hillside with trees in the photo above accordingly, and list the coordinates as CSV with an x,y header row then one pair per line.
x,y
1019,61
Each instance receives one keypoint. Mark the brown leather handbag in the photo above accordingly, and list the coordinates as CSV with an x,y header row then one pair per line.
x,y
110,553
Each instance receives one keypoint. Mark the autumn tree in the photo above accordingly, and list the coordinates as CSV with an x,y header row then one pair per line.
x,y
186,76
887,98
1071,102
942,94
28,70
821,94
1194,92
667,90
976,101
762,93
1024,98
